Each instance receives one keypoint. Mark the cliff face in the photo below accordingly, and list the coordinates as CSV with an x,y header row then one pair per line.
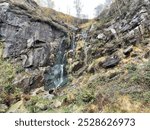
x,y
105,61
29,37
23,32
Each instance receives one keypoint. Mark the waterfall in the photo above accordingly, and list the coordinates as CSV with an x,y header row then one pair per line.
x,y
73,45
60,64
84,35
56,76
61,74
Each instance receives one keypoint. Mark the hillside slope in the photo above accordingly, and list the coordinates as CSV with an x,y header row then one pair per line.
x,y
102,66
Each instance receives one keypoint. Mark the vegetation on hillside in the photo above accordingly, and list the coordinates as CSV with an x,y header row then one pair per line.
x,y
9,94
124,87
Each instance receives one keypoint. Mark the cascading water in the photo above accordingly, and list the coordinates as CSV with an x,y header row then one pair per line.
x,y
56,76
73,45
84,35
59,67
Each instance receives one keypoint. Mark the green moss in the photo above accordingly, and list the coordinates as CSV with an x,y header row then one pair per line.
x,y
38,104
141,76
131,68
146,96
9,92
7,70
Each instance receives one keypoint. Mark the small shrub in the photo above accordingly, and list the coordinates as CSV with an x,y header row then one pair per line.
x,y
131,68
139,76
9,89
146,96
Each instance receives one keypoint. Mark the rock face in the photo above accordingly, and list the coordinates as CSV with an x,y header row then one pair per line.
x,y
27,36
117,31
36,55
23,35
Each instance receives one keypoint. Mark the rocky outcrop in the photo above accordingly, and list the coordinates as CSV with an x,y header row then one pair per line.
x,y
31,38
111,62
27,37
132,24
114,35
128,50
